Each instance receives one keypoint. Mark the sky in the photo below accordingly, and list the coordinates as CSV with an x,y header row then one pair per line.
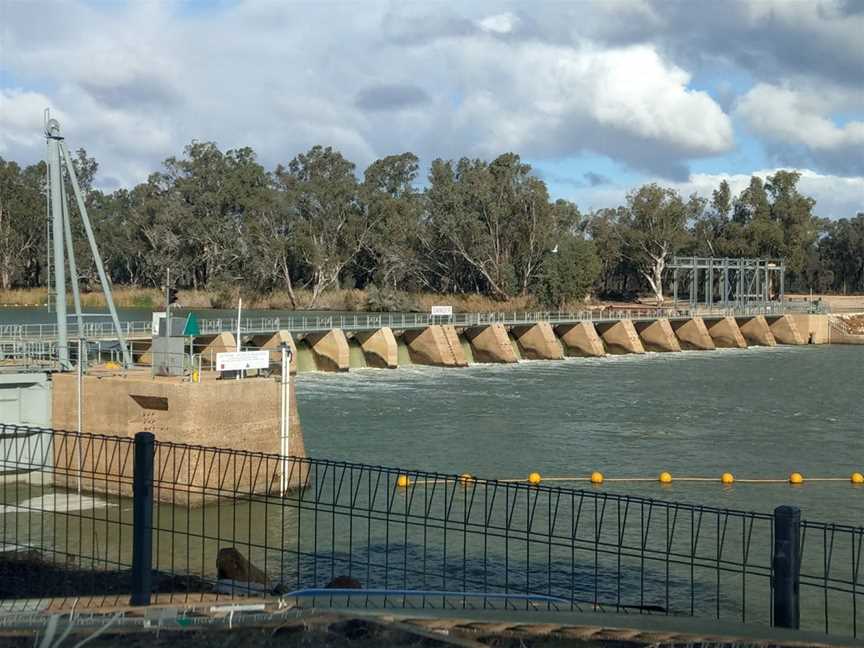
x,y
599,97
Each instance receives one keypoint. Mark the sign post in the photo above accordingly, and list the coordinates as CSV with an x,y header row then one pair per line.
x,y
285,418
242,360
441,311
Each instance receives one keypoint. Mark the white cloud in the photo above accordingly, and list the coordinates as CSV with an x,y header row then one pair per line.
x,y
21,120
503,23
787,115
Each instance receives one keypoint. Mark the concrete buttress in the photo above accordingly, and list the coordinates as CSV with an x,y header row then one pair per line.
x,y
785,330
620,337
273,343
725,333
693,334
379,348
658,335
580,339
538,342
431,346
209,345
756,330
491,344
330,350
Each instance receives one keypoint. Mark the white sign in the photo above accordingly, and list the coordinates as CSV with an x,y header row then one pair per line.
x,y
442,311
242,360
156,318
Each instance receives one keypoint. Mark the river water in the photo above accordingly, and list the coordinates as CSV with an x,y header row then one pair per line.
x,y
759,413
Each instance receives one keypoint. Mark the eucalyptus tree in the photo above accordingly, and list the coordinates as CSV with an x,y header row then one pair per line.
x,y
22,224
331,227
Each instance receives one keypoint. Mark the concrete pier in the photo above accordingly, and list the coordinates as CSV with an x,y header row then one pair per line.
x,y
209,345
620,337
814,328
693,334
330,350
725,333
274,343
658,335
580,340
216,413
431,346
756,330
784,330
491,344
379,348
538,342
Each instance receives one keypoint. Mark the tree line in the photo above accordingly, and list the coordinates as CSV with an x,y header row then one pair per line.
x,y
219,218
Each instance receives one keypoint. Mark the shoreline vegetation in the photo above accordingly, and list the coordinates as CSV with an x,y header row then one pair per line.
x,y
347,300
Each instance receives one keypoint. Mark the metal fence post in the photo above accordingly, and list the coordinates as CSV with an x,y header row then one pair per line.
x,y
142,518
787,566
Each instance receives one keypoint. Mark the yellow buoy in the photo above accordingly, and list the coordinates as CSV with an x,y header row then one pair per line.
x,y
466,478
665,478
727,478
596,477
796,478
403,481
857,478
534,478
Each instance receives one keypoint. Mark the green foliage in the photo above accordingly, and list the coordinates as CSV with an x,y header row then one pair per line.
x,y
220,221
569,272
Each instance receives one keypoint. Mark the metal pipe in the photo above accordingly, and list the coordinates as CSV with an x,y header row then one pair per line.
x,y
97,258
57,241
73,267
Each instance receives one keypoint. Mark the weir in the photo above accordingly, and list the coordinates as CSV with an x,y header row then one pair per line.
x,y
756,330
538,342
725,333
620,337
490,344
580,340
693,335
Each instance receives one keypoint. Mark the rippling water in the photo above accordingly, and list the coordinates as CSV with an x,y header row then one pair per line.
x,y
758,413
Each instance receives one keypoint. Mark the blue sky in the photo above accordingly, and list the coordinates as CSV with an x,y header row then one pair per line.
x,y
598,97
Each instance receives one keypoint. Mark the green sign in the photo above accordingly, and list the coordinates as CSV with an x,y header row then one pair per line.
x,y
191,329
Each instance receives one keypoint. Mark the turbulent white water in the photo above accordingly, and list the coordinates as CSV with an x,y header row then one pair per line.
x,y
758,413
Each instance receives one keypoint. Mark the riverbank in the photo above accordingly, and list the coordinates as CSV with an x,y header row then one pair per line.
x,y
335,300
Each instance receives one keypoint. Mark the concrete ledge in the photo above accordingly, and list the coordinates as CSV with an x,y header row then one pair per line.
x,y
725,333
274,344
330,350
693,334
620,337
209,345
430,346
657,335
580,340
491,344
756,330
784,330
452,338
379,348
538,342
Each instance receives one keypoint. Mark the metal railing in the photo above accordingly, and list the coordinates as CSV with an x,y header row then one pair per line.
x,y
219,527
402,321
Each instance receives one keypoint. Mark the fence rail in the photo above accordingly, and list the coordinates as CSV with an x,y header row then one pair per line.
x,y
220,527
400,321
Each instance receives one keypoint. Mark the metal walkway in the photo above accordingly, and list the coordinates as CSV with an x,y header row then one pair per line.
x,y
141,330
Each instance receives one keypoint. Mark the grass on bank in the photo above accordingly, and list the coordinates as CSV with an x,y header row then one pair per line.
x,y
336,300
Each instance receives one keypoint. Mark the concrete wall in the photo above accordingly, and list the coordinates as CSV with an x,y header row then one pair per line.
x,y
379,348
756,330
657,335
620,337
490,344
580,340
814,329
693,334
330,349
725,333
538,342
785,330
235,414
